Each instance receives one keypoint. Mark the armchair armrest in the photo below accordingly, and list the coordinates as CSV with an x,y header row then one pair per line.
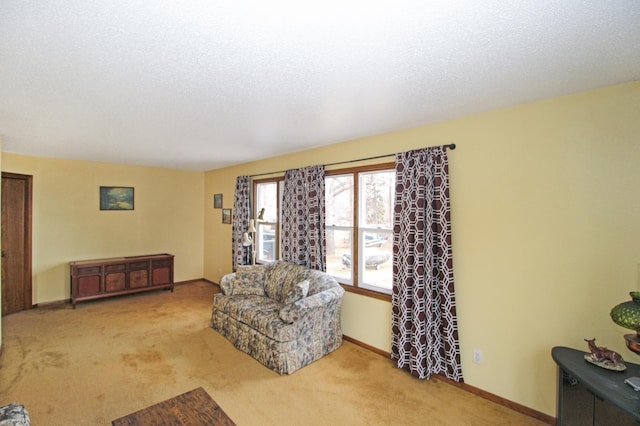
x,y
294,311
247,280
226,283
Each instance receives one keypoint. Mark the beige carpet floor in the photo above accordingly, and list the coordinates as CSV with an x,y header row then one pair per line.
x,y
108,358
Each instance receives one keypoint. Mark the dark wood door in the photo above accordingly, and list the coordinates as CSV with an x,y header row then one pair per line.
x,y
16,243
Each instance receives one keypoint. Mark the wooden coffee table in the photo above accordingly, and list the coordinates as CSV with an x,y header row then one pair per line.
x,y
194,408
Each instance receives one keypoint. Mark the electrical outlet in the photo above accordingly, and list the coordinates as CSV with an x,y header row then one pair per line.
x,y
477,356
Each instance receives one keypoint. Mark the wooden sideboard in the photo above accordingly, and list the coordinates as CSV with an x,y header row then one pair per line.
x,y
98,278
590,395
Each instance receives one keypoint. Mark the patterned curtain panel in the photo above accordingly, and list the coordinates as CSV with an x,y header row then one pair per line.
x,y
303,238
241,216
425,326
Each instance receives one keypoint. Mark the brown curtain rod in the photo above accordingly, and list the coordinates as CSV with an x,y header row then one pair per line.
x,y
451,146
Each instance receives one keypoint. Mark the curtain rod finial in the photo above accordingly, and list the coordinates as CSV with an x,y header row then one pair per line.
x,y
451,146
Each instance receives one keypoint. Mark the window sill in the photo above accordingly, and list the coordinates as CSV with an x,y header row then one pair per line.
x,y
368,293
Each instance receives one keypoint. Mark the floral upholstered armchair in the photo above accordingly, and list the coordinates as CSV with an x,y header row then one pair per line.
x,y
14,415
284,315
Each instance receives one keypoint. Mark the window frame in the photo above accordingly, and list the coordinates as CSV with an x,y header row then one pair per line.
x,y
357,268
353,286
279,181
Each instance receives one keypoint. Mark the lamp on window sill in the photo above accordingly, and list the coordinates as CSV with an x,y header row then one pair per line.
x,y
246,242
261,214
248,239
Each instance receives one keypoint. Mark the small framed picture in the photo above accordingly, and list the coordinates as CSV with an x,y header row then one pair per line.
x,y
226,216
217,201
116,198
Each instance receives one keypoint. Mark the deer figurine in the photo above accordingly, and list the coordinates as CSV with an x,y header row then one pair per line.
x,y
600,353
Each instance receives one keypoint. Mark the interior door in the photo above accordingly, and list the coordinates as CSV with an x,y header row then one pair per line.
x,y
16,243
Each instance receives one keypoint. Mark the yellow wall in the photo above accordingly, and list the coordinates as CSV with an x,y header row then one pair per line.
x,y
68,224
546,232
545,228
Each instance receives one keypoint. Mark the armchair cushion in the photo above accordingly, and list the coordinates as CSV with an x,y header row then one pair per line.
x,y
260,314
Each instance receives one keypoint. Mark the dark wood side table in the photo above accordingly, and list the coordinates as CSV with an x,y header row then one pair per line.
x,y
590,395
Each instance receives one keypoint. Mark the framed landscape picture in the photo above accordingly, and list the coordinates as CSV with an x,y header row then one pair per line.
x,y
116,198
226,216
217,201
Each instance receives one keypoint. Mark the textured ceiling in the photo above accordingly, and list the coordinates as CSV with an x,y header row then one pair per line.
x,y
206,84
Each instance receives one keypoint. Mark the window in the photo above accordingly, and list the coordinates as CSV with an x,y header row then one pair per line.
x,y
339,226
359,226
359,211
267,196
